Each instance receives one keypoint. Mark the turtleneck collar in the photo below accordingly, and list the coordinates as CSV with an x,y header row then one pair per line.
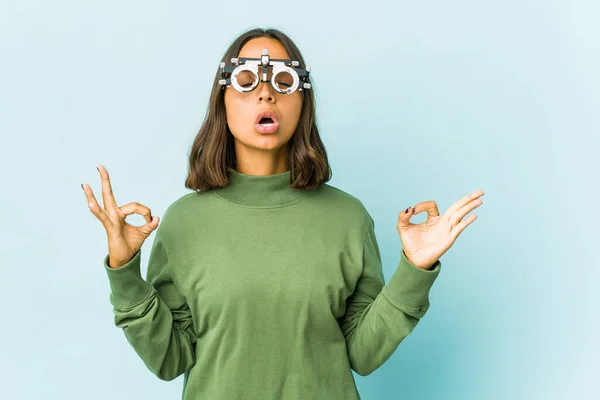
x,y
261,191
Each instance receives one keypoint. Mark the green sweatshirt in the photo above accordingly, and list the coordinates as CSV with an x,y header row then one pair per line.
x,y
259,291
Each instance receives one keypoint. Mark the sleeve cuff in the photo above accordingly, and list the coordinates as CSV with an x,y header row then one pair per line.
x,y
128,288
409,286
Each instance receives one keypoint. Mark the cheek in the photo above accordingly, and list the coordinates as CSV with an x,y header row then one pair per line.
x,y
292,104
237,112
293,110
297,107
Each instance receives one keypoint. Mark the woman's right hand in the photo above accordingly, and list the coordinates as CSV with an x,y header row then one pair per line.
x,y
124,239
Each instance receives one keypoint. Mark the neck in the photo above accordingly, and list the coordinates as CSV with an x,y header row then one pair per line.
x,y
253,161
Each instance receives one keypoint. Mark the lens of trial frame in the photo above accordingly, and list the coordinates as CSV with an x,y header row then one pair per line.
x,y
284,80
246,78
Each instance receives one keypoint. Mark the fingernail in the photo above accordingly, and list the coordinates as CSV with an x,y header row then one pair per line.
x,y
82,187
414,209
97,168
407,210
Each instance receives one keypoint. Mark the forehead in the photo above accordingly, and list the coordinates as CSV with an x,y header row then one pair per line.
x,y
254,49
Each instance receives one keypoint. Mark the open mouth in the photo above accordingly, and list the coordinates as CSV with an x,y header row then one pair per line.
x,y
266,121
267,125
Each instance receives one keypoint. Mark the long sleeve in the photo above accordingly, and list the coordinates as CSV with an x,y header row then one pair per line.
x,y
154,316
378,315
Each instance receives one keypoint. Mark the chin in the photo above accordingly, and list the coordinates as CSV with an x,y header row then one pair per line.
x,y
261,141
268,142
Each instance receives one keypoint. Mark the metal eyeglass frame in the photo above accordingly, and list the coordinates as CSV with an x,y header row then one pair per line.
x,y
300,76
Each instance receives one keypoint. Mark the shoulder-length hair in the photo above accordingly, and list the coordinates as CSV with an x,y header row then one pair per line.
x,y
213,149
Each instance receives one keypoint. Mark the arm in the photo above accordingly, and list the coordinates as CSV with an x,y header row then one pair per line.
x,y
378,315
155,318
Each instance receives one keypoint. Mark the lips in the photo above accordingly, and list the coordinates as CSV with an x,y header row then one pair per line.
x,y
266,114
266,128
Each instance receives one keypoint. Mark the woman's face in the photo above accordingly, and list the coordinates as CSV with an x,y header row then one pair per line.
x,y
242,109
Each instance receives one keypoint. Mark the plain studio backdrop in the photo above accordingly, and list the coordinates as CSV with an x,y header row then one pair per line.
x,y
415,102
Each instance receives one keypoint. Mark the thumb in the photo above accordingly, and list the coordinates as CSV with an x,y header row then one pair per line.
x,y
150,226
153,224
404,218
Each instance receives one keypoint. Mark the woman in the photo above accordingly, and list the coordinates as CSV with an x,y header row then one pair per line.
x,y
266,282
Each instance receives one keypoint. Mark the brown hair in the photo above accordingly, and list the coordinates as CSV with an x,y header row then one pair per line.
x,y
213,149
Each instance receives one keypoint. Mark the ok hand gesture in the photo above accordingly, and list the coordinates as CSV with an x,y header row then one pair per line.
x,y
423,244
124,239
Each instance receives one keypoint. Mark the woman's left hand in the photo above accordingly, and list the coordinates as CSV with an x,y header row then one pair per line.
x,y
423,244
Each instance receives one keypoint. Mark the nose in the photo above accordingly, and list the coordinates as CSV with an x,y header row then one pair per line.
x,y
265,92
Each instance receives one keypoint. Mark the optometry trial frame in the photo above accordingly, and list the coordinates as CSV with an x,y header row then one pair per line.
x,y
299,76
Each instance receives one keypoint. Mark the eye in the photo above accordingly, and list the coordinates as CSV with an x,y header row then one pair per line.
x,y
285,79
245,79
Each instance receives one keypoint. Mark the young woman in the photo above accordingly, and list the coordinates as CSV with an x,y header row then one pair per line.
x,y
266,282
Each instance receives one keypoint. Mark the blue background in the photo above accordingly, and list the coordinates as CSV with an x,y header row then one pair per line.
x,y
416,101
